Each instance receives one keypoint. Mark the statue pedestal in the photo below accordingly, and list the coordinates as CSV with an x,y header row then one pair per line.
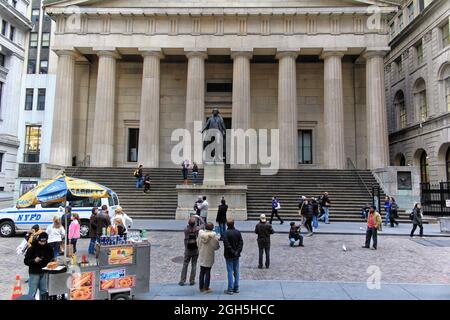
x,y
214,174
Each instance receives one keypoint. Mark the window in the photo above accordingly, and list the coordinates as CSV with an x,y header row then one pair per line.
x,y
12,31
411,12
219,87
32,143
4,27
31,66
43,69
133,143
399,104
26,186
305,146
33,40
392,29
35,15
399,64
45,40
85,202
1,161
1,95
29,99
445,35
419,53
447,92
14,3
41,99
400,22
421,5
2,60
447,163
402,161
424,167
420,98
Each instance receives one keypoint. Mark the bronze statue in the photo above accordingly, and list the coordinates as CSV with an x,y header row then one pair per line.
x,y
215,122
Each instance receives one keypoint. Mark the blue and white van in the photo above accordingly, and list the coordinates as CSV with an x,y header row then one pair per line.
x,y
14,220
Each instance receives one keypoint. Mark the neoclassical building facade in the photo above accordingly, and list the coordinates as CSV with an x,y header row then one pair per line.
x,y
418,88
130,72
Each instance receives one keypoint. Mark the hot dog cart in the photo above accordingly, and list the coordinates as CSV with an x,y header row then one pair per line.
x,y
118,273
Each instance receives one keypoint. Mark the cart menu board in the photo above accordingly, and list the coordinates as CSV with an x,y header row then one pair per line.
x,y
82,286
117,278
121,255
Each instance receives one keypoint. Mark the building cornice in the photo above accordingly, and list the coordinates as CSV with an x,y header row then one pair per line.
x,y
12,13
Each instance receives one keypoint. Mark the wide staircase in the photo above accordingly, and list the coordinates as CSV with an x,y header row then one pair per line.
x,y
349,190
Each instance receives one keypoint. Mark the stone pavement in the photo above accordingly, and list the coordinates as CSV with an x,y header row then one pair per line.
x,y
343,228
300,290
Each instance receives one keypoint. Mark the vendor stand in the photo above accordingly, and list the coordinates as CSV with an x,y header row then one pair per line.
x,y
120,270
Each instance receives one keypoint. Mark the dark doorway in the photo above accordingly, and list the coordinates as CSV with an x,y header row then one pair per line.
x,y
133,144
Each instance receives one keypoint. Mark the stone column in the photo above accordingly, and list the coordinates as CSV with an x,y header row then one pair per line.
x,y
62,132
376,117
241,97
148,154
333,113
287,109
103,136
195,93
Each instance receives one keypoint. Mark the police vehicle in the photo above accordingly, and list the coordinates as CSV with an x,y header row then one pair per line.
x,y
14,220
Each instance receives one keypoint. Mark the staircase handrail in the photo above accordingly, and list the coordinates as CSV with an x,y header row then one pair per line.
x,y
352,166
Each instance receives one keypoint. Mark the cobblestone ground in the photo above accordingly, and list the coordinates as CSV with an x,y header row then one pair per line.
x,y
322,259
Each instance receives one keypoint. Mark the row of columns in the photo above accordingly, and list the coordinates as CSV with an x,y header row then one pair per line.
x,y
103,135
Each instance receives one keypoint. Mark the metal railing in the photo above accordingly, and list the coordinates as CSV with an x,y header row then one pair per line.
x,y
434,198
351,166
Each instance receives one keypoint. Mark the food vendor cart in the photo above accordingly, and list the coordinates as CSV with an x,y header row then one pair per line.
x,y
118,273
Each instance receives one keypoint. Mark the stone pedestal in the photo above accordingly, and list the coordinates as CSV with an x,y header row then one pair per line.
x,y
235,196
214,174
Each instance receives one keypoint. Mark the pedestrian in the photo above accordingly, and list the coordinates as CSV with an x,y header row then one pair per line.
x,y
194,173
417,215
66,218
308,214
36,258
74,231
146,183
374,223
221,218
233,245
263,230
119,227
126,220
294,235
55,235
204,209
275,207
365,211
103,221
93,230
185,170
325,204
139,175
207,243
31,235
191,249
315,217
387,209
394,213
197,205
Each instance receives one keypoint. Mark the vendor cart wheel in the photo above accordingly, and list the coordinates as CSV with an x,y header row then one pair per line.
x,y
7,229
121,296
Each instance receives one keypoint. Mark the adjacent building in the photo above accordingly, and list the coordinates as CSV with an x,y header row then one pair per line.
x,y
13,37
418,88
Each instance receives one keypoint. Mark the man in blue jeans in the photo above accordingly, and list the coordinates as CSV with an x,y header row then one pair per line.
x,y
233,245
325,204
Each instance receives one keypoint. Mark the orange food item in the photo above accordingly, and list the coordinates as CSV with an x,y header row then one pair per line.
x,y
126,282
108,284
52,265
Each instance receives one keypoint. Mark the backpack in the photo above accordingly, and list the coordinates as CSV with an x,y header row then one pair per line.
x,y
192,241
136,173
411,216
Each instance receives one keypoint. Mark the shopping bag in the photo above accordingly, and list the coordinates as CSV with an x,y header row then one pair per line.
x,y
23,247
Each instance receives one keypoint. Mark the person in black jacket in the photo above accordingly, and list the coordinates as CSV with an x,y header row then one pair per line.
x,y
93,230
263,230
316,211
394,213
36,258
66,218
233,245
221,218
103,220
308,214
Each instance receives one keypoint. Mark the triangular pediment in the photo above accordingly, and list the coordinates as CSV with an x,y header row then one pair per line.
x,y
218,3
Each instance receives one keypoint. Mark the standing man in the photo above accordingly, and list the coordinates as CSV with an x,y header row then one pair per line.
x,y
185,170
387,209
191,249
308,214
325,203
275,207
103,220
233,245
374,223
66,218
139,175
417,215
204,209
221,218
263,230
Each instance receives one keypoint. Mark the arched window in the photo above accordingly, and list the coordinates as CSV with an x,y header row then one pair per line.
x,y
424,167
399,105
402,161
420,100
447,163
444,77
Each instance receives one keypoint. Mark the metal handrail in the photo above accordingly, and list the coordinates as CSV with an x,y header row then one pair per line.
x,y
351,164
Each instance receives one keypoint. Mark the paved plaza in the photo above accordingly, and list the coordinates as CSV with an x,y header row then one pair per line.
x,y
410,269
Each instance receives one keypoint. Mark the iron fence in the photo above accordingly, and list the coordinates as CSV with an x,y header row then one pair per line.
x,y
434,198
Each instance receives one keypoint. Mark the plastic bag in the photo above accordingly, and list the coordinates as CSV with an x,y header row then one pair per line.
x,y
22,248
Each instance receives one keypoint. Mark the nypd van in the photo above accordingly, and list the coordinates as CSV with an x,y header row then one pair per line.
x,y
14,220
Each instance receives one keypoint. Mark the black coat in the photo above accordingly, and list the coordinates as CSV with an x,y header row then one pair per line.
x,y
93,226
103,221
222,214
45,252
66,216
315,207
233,243
308,210
264,230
